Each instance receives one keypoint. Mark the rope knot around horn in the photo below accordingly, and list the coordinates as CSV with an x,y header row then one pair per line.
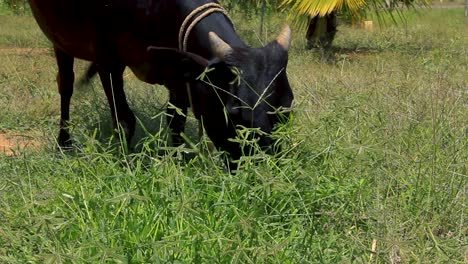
x,y
185,30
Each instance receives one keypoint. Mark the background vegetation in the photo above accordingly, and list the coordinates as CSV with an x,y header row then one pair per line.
x,y
375,169
15,6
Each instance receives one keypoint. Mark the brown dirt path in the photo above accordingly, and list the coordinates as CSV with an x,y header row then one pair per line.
x,y
11,143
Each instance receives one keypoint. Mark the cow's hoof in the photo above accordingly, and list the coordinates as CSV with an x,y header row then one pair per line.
x,y
64,141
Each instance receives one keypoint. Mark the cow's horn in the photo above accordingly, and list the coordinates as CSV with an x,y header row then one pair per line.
x,y
284,38
218,46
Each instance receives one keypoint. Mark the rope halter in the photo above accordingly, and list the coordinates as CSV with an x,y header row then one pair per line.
x,y
207,9
187,26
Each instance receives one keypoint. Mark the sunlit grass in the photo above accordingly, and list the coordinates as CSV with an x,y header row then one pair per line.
x,y
373,170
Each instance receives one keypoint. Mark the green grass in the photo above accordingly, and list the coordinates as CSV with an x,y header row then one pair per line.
x,y
377,153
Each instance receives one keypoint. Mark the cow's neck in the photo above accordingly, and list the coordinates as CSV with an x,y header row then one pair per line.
x,y
217,22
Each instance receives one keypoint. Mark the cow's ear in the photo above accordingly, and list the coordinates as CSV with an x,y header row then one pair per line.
x,y
219,72
174,64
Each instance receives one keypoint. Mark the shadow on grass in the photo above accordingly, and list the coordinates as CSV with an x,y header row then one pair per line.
x,y
95,133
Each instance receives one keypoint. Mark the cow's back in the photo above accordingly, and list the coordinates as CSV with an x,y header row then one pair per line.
x,y
69,25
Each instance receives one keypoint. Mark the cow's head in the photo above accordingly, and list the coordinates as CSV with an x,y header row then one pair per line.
x,y
241,87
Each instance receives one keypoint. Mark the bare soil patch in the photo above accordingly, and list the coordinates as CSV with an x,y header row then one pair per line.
x,y
11,144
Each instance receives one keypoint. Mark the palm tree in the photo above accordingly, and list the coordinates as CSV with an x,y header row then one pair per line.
x,y
321,31
321,15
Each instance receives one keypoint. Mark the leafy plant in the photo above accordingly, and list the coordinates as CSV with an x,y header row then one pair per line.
x,y
17,6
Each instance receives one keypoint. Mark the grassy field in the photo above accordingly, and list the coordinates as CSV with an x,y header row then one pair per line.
x,y
375,169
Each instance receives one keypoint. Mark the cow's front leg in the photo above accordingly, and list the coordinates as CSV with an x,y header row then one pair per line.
x,y
122,115
65,79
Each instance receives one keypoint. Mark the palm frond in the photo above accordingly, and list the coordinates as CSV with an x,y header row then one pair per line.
x,y
301,10
322,7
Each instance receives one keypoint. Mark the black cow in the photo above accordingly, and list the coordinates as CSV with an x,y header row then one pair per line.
x,y
245,86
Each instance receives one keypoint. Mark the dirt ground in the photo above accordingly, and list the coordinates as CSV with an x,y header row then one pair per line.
x,y
11,144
